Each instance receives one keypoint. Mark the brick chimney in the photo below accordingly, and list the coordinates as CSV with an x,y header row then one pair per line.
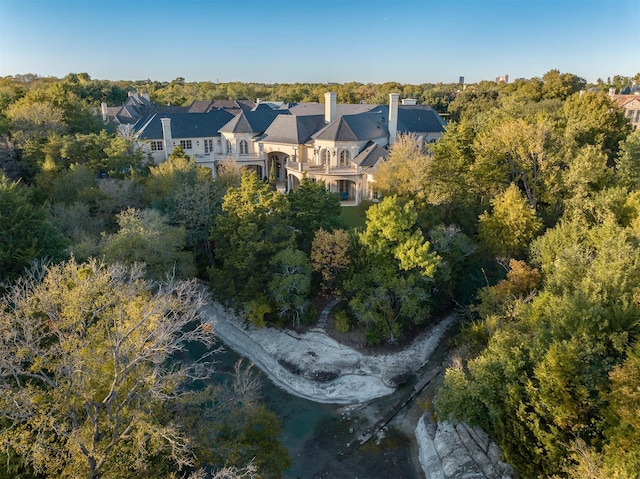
x,y
329,107
393,117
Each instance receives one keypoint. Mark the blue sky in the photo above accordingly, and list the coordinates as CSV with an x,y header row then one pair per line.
x,y
288,41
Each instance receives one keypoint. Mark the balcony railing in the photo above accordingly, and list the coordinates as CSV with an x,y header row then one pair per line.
x,y
322,169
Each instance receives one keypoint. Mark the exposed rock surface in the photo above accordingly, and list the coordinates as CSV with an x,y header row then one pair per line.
x,y
317,367
458,452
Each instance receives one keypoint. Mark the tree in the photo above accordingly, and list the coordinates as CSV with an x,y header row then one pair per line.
x,y
290,286
189,196
87,369
516,150
592,119
330,255
25,232
507,230
391,280
34,121
628,161
561,85
252,228
312,208
547,386
406,172
145,237
392,229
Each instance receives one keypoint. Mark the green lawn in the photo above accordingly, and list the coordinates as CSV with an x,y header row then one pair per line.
x,y
355,216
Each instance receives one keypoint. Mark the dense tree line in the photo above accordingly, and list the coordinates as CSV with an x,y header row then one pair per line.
x,y
524,215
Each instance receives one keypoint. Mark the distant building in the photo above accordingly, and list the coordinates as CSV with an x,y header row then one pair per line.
x,y
461,80
502,79
629,100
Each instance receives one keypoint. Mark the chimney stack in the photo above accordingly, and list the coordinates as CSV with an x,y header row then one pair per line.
x,y
166,137
393,117
329,107
105,112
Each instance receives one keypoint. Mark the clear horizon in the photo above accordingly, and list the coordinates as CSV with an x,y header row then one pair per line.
x,y
287,41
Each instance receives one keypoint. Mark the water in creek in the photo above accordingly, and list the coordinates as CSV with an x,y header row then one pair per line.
x,y
317,435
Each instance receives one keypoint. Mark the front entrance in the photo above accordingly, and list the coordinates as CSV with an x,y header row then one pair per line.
x,y
275,166
346,190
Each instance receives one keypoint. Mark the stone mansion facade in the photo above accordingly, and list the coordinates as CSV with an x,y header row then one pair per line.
x,y
340,144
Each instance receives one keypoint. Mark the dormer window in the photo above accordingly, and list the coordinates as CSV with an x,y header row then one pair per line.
x,y
244,147
228,143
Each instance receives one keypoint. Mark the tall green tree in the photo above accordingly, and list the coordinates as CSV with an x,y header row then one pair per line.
x,y
313,208
391,282
26,234
253,227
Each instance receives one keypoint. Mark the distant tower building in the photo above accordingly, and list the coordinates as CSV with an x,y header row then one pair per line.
x,y
461,80
502,79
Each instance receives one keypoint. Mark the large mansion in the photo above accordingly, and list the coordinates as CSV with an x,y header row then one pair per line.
x,y
340,144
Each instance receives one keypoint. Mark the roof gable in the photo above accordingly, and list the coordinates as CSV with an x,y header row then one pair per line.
x,y
255,122
293,130
371,154
364,126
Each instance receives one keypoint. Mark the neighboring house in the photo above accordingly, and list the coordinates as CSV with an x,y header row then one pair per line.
x,y
629,101
339,144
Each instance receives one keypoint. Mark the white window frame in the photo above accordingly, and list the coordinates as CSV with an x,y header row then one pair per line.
x,y
186,144
243,146
345,157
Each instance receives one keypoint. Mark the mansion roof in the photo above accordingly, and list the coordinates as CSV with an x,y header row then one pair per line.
x,y
364,126
293,130
255,122
184,125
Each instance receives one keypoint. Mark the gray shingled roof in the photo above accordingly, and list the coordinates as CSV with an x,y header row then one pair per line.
x,y
293,130
255,122
364,126
232,106
419,118
370,155
183,125
341,109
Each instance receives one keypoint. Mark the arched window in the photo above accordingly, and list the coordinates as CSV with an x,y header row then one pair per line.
x,y
228,147
326,156
345,158
244,147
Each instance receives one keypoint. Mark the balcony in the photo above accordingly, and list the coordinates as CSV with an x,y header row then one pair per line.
x,y
322,169
238,158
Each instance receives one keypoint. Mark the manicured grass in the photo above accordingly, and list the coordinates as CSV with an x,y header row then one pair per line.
x,y
355,216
